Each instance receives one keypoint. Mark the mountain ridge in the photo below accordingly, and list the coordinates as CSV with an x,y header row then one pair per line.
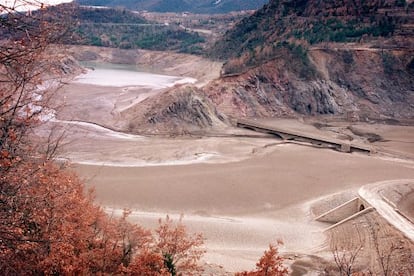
x,y
317,57
315,21
273,69
124,29
201,6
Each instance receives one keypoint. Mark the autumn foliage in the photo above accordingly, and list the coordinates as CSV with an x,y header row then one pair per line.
x,y
49,224
180,251
270,264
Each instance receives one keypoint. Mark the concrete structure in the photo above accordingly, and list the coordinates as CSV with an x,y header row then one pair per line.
x,y
304,137
386,198
344,211
351,218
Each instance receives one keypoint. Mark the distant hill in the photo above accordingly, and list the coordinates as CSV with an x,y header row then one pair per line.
x,y
352,58
120,28
315,21
194,6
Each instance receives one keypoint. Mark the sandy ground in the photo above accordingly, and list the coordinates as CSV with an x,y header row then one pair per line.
x,y
396,139
241,191
285,175
241,206
406,206
375,194
100,95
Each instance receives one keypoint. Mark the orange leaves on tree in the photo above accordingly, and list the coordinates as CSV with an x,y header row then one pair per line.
x,y
147,263
51,226
181,252
270,264
48,224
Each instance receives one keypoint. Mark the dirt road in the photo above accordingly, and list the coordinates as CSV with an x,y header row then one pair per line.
x,y
372,194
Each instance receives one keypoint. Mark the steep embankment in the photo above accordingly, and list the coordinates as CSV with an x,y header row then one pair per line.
x,y
167,63
178,111
259,36
352,82
351,58
136,106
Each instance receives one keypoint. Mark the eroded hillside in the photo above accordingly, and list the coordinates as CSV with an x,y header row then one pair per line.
x,y
358,83
181,110
305,23
352,59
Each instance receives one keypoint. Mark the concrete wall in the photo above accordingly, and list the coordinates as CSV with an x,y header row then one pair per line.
x,y
351,218
343,211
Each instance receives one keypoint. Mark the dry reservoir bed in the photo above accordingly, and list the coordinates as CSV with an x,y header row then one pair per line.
x,y
241,206
241,192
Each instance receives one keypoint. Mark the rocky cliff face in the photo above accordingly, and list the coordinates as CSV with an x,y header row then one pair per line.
x,y
180,110
361,83
293,57
353,59
349,81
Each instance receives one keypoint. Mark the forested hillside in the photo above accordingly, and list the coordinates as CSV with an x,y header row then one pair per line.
x,y
319,57
120,28
202,6
311,22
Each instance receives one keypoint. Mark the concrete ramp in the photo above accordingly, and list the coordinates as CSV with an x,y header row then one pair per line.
x,y
350,218
343,211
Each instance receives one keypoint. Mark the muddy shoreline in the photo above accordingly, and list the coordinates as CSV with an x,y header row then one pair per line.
x,y
242,189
